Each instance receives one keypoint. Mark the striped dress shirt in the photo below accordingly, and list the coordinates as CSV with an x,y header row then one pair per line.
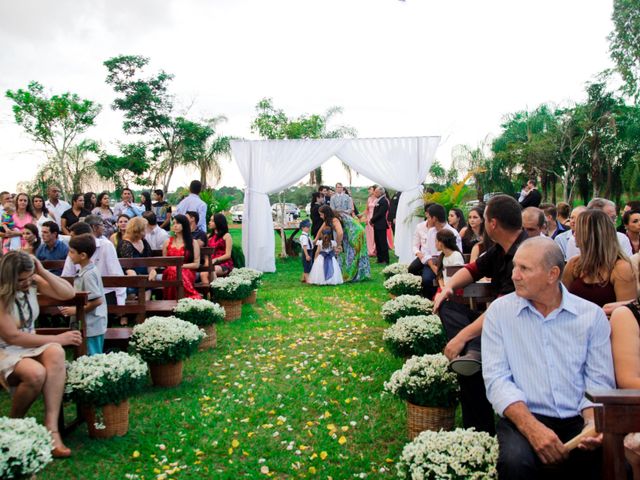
x,y
547,363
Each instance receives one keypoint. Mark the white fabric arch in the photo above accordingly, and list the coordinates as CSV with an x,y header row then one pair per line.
x,y
268,166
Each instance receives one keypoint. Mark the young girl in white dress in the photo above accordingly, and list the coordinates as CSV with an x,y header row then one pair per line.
x,y
326,255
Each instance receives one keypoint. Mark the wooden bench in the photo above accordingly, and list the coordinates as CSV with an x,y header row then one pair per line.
x,y
617,413
206,266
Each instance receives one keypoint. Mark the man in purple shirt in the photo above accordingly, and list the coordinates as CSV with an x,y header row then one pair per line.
x,y
193,203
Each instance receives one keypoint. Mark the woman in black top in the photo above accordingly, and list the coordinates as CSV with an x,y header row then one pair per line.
x,y
133,245
472,233
74,214
317,200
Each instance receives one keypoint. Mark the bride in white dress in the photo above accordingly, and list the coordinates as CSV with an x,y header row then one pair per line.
x,y
326,270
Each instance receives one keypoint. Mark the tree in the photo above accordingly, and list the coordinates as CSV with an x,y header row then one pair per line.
x,y
55,122
273,123
624,46
126,168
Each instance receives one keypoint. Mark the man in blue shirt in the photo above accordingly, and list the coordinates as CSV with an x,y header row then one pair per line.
x,y
51,248
542,349
193,203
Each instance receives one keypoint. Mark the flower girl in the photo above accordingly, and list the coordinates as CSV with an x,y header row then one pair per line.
x,y
325,270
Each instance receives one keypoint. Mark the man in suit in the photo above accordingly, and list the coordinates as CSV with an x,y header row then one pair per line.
x,y
393,209
379,223
530,196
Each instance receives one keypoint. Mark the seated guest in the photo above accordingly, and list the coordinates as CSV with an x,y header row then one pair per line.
x,y
104,211
601,273
542,349
126,205
482,246
52,248
121,227
472,233
31,238
74,214
222,244
554,227
631,222
134,245
196,232
154,235
503,223
456,219
564,238
630,205
533,221
182,245
32,364
564,210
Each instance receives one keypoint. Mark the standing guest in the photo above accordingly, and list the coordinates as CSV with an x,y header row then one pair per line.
x,y
456,219
126,205
564,239
74,214
90,201
31,238
602,273
40,212
32,364
4,196
390,241
631,222
324,190
542,350
11,237
23,214
121,226
355,214
154,235
81,249
307,250
145,201
533,221
182,245
56,206
52,248
193,203
472,233
530,196
222,244
372,201
463,327
630,205
162,209
564,210
380,225
554,227
197,233
393,210
103,210
317,200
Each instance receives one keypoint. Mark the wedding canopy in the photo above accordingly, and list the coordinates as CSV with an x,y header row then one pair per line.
x,y
269,166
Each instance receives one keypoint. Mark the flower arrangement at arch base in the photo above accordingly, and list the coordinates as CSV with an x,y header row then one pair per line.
x,y
204,314
25,447
229,293
254,276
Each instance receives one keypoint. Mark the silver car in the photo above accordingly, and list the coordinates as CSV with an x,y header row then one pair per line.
x,y
236,213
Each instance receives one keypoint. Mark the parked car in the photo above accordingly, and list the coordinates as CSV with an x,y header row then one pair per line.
x,y
490,195
236,213
289,209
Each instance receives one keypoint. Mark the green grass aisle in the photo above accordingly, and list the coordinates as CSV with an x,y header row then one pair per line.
x,y
293,390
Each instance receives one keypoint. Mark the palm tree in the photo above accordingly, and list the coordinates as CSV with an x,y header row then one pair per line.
x,y
216,148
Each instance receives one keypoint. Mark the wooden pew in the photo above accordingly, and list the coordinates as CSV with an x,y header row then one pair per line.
x,y
205,266
617,413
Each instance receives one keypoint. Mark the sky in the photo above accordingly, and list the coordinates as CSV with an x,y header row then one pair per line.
x,y
397,68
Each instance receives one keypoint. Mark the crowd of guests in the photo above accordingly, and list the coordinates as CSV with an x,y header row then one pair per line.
x,y
566,320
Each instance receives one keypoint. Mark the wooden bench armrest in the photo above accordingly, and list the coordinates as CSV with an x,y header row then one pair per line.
x,y
615,397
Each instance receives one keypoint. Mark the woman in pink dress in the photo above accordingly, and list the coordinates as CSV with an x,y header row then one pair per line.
x,y
24,213
182,245
222,244
368,212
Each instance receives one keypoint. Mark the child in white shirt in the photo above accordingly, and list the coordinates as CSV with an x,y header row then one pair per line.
x,y
450,256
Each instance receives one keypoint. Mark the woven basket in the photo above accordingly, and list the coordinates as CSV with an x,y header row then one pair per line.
x,y
392,296
420,419
166,374
210,340
115,419
251,298
232,308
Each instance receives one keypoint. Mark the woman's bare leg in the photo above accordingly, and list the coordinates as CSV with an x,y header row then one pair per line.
x,y
29,377
53,361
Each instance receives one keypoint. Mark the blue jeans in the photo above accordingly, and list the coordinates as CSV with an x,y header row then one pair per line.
x,y
95,345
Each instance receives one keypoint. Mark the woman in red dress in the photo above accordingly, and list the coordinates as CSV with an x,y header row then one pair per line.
x,y
222,243
182,245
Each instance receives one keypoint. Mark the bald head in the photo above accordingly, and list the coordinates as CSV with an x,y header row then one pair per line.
x,y
533,221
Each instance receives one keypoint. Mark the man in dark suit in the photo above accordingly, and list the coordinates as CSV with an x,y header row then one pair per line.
x,y
393,209
379,223
530,196
317,200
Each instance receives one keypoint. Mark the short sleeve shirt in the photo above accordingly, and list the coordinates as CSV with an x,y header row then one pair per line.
x,y
88,280
72,218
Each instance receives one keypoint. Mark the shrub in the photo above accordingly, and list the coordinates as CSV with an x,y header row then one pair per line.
x,y
415,335
199,311
425,381
406,305
395,269
404,284
25,447
231,288
165,339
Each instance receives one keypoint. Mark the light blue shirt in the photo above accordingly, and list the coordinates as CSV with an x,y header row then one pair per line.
x,y
130,210
193,203
547,363
562,240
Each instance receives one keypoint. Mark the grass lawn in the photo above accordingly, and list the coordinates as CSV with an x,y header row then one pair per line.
x,y
293,390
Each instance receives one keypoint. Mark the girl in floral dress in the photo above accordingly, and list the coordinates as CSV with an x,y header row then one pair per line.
x,y
182,245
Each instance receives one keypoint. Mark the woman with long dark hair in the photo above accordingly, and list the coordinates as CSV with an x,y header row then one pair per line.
x,y
31,238
90,201
222,244
145,201
73,215
182,245
40,211
23,215
121,226
456,219
104,211
472,233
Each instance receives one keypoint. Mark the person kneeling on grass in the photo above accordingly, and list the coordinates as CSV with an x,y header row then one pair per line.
x,y
542,349
81,248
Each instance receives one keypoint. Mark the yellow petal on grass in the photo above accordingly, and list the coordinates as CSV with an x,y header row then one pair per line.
x,y
135,454
327,414
235,443
323,455
312,470
342,440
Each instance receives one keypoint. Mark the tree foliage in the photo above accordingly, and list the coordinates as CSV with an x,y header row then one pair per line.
x,y
624,46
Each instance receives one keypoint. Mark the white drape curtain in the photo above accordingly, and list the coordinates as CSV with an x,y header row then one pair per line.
x,y
269,166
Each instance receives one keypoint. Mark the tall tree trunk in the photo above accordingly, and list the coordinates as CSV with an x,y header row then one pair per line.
x,y
203,177
595,169
554,197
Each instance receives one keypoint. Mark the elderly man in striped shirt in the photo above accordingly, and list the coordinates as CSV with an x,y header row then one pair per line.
x,y
542,349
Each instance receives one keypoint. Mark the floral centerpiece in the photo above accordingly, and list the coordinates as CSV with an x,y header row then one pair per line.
x,y
406,305
395,269
25,447
229,292
107,381
415,335
460,454
164,342
254,276
203,313
430,390
404,284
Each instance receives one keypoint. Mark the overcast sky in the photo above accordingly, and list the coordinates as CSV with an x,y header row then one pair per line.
x,y
398,68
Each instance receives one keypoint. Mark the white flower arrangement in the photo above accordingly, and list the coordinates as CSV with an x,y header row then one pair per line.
x,y
234,287
395,269
165,339
457,455
415,335
105,378
25,447
251,274
406,305
404,284
200,312
425,381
